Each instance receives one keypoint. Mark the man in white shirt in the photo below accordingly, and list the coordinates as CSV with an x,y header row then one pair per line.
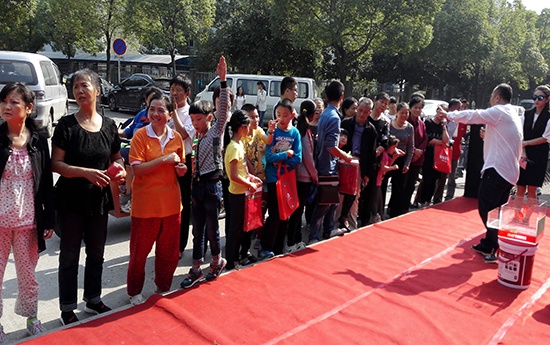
x,y
180,89
501,154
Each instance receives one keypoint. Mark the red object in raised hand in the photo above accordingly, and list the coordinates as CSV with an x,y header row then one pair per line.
x,y
114,169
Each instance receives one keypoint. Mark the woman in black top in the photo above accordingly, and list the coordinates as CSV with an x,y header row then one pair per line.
x,y
535,147
436,129
84,144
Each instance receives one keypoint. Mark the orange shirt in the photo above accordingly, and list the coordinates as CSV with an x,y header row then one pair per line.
x,y
155,195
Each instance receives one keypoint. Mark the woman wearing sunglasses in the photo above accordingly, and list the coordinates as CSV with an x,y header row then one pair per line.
x,y
536,128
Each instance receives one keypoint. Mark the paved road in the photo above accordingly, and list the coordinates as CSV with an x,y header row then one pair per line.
x,y
114,276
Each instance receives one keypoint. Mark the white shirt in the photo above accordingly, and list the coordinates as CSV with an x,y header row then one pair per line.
x,y
239,102
183,114
503,137
261,100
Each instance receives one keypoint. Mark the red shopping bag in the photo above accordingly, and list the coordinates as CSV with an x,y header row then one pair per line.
x,y
287,193
253,216
442,159
349,174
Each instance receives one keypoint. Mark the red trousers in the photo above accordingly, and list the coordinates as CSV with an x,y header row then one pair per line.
x,y
143,234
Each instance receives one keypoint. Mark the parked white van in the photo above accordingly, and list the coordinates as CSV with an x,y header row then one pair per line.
x,y
307,89
42,76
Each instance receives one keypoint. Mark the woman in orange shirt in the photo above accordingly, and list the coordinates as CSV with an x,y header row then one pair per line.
x,y
157,157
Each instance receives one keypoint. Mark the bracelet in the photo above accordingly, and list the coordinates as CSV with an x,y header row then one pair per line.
x,y
269,132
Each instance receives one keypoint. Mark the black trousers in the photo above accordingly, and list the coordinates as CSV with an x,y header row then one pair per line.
x,y
75,228
294,234
494,191
185,190
237,242
274,231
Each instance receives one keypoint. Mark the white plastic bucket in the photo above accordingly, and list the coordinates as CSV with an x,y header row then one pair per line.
x,y
515,263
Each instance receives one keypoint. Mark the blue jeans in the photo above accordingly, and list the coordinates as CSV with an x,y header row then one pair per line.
x,y
494,191
261,120
206,199
322,214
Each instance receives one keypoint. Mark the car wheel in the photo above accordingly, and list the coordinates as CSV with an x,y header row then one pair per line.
x,y
142,105
112,104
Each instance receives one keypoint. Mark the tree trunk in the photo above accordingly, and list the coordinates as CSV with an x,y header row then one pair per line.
x,y
173,56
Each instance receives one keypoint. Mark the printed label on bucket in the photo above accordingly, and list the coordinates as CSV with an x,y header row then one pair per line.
x,y
508,270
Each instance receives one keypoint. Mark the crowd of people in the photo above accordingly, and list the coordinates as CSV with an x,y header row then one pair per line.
x,y
379,141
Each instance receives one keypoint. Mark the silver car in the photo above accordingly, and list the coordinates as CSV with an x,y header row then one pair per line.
x,y
42,76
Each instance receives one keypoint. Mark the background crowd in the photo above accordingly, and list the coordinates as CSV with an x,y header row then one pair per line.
x,y
380,142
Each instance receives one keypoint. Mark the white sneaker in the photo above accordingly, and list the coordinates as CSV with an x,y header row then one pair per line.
x,y
337,232
127,207
34,327
137,299
290,249
299,246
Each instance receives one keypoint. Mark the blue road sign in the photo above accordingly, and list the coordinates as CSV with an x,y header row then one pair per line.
x,y
119,46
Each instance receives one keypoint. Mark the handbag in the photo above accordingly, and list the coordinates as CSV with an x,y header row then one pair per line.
x,y
253,216
287,193
327,191
442,159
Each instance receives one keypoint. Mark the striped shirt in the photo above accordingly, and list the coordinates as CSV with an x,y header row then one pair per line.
x,y
208,153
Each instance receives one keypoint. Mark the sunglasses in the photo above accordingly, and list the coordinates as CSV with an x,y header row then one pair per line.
x,y
539,97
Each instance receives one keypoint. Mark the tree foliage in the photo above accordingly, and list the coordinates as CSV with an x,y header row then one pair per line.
x,y
166,26
444,47
244,31
350,31
70,25
18,26
111,15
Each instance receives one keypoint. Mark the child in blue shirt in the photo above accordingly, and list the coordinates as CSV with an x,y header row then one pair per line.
x,y
284,153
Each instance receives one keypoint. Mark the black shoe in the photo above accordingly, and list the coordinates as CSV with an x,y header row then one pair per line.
x,y
490,259
98,308
68,317
481,249
249,259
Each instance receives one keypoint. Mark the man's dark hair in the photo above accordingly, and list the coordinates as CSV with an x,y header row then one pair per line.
x,y
418,94
454,102
285,103
287,83
183,81
201,107
334,90
393,100
505,92
381,95
248,107
416,100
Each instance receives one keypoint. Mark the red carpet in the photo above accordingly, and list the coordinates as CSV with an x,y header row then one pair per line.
x,y
411,280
